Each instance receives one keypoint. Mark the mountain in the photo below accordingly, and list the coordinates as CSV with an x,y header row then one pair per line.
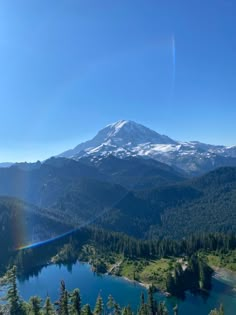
x,y
127,138
204,204
135,172
141,197
23,223
118,138
77,192
74,191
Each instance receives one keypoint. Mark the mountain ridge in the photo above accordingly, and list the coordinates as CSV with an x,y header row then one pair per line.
x,y
126,138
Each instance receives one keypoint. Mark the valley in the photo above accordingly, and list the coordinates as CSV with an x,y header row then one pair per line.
x,y
135,216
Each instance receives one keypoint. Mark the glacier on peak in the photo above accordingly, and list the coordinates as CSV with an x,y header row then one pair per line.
x,y
126,138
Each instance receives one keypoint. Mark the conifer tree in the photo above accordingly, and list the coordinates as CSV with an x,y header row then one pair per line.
x,y
98,310
151,304
204,275
15,303
63,300
219,311
48,307
170,284
110,303
143,307
162,310
117,310
127,310
75,302
86,310
35,305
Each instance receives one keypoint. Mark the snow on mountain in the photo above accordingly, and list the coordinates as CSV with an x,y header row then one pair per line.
x,y
120,136
127,138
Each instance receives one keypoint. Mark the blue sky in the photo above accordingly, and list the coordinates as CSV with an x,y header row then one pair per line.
x,y
68,68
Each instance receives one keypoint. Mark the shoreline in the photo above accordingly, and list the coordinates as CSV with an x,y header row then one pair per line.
x,y
145,285
225,274
142,284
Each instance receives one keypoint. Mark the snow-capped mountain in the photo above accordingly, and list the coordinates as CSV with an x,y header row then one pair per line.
x,y
127,138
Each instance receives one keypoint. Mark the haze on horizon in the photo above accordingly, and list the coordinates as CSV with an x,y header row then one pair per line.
x,y
69,69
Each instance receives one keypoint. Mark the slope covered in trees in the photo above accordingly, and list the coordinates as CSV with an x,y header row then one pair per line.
x,y
204,204
77,193
135,172
109,246
22,223
72,189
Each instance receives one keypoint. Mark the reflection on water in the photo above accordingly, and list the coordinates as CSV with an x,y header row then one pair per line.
x,y
80,275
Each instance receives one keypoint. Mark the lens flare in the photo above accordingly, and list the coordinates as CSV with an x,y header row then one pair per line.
x,y
23,183
47,241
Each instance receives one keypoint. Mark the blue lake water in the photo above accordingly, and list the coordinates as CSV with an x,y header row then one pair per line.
x,y
47,282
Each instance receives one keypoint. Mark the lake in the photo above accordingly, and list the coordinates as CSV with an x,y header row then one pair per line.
x,y
47,282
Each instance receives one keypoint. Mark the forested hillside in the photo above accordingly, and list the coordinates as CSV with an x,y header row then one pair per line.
x,y
23,224
84,192
207,203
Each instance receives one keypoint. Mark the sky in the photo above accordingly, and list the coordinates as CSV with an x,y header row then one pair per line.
x,y
70,67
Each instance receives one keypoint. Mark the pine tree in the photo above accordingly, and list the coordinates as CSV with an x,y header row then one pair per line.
x,y
48,307
117,310
170,284
35,305
98,310
65,304
162,310
204,275
75,302
179,279
16,305
127,310
110,303
219,311
86,310
143,307
151,305
63,300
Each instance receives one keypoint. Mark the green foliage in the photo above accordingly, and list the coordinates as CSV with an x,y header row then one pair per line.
x,y
15,303
86,310
75,308
205,204
117,309
72,306
151,302
48,307
141,260
219,311
196,276
110,303
98,310
35,305
63,300
127,310
99,266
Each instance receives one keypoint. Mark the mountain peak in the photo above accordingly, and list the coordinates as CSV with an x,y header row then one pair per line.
x,y
119,124
125,138
118,138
